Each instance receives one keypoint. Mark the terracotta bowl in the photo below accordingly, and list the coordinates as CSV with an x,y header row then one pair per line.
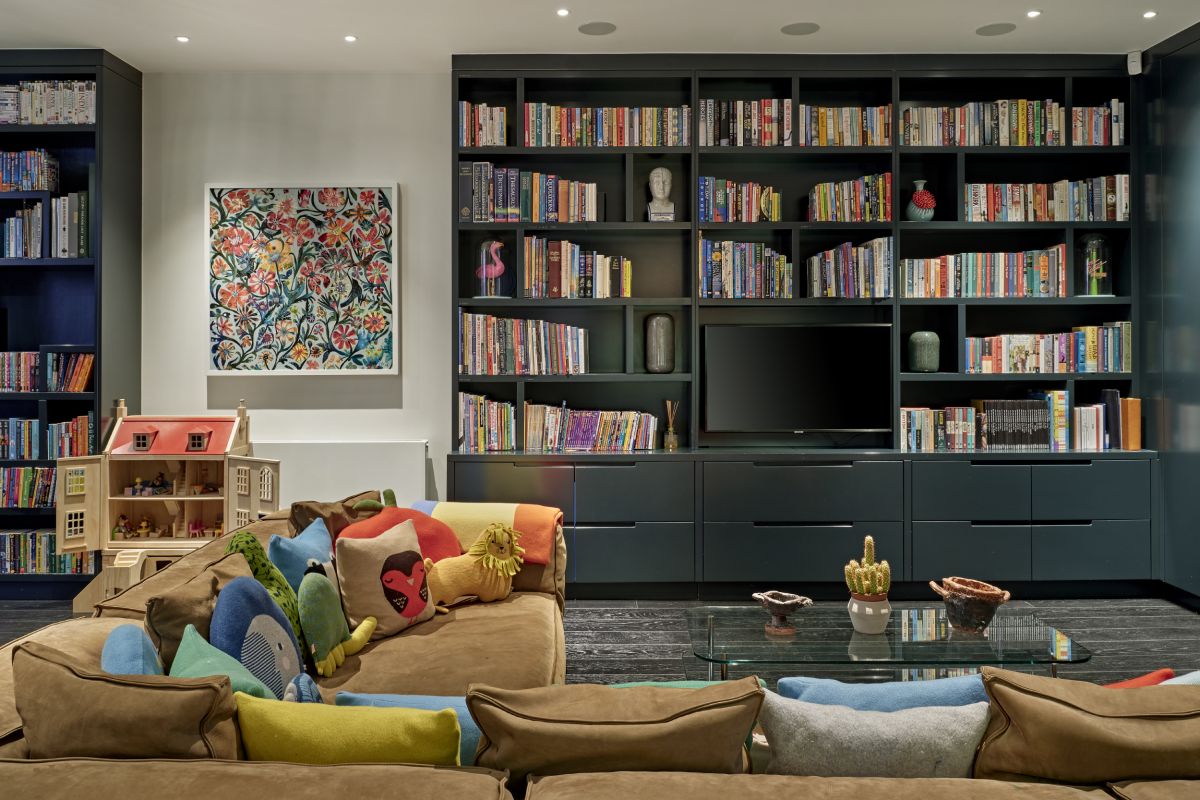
x,y
970,604
780,605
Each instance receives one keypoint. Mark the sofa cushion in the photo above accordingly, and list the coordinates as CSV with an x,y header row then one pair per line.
x,y
337,513
250,627
1155,790
1075,732
590,728
515,643
292,556
129,651
384,577
1186,679
1149,679
437,539
324,624
270,577
890,696
69,709
197,658
190,603
316,733
470,731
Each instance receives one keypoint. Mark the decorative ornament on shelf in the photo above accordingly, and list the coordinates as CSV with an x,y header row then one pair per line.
x,y
670,438
660,208
1095,266
493,279
779,605
660,343
869,583
920,207
970,604
924,348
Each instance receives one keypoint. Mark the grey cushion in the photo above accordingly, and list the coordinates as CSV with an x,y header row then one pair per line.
x,y
836,741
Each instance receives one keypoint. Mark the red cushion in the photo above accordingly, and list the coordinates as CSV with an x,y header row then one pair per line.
x,y
1149,679
436,537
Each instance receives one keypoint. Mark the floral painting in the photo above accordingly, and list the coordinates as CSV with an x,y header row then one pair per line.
x,y
300,280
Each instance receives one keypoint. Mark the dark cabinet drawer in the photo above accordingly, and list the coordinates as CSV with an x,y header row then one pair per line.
x,y
971,550
640,491
744,551
1099,550
960,490
763,492
1101,489
647,552
509,482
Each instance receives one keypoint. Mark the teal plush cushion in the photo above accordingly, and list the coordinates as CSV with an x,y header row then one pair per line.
x,y
892,696
470,731
197,658
1186,679
129,651
321,615
249,626
293,556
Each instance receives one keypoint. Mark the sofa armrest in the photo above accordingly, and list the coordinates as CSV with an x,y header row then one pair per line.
x,y
548,578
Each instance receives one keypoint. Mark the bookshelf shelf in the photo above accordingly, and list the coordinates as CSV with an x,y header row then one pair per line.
x,y
1013,377
52,129
558,302
27,512
1017,151
575,226
590,377
795,301
566,151
794,151
1017,301
938,226
80,396
47,262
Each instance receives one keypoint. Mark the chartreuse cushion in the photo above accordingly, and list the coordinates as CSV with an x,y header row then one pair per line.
x,y
329,638
470,731
1186,679
296,554
893,696
316,733
129,651
197,658
248,625
270,577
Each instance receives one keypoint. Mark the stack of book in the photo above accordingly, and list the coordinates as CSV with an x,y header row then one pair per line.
x,y
488,193
20,439
865,199
481,125
70,226
1035,424
1000,123
485,425
490,345
850,270
729,201
1115,423
35,552
1030,273
1104,199
563,269
27,487
48,103
558,428
1088,348
70,438
68,372
852,126
19,372
549,125
1099,125
745,123
21,234
28,171
743,270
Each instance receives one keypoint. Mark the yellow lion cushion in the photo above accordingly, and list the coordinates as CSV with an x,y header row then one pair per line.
x,y
315,733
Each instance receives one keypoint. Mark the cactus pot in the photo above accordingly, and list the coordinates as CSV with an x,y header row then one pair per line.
x,y
970,605
869,613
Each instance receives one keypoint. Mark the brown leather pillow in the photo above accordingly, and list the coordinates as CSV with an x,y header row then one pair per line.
x,y
190,603
337,513
71,711
1075,732
557,730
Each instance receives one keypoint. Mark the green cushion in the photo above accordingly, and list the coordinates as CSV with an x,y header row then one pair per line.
x,y
271,578
197,658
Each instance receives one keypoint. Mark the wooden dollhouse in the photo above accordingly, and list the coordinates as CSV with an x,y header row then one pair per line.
x,y
163,485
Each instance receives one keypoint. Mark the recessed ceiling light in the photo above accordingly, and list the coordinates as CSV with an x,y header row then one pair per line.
x,y
800,28
996,29
182,39
1150,14
562,12
597,28
350,38
1033,12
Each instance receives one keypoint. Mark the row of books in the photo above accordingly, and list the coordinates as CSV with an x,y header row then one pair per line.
x,y
743,270
563,269
558,428
1099,125
70,226
485,425
35,552
745,123
27,487
20,438
21,234
481,125
1103,199
1115,423
548,125
845,126
70,438
1003,123
48,103
489,345
722,200
28,171
865,199
850,270
69,372
1029,273
19,371
1035,424
1087,348
487,193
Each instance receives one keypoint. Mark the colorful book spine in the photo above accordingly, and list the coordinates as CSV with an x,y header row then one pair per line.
x,y
48,103
562,269
1099,126
20,439
850,270
997,123
500,194
18,372
28,171
69,372
846,126
865,199
743,270
721,200
1030,273
27,487
481,125
1089,348
745,123
1039,423
491,345
70,438
560,429
1102,199
35,551
485,425
548,125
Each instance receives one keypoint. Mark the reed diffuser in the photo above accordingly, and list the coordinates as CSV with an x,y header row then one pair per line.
x,y
670,438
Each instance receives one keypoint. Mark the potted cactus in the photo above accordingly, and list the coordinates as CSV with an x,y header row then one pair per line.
x,y
868,583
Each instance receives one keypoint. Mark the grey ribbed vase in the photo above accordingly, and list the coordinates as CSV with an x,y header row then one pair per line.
x,y
660,343
924,347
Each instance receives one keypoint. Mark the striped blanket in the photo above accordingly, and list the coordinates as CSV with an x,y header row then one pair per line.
x,y
538,525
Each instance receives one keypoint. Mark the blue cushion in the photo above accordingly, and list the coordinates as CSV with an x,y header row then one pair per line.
x,y
1186,679
303,689
470,731
250,626
129,651
294,555
893,696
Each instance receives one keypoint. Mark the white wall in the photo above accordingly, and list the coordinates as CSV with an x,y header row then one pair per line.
x,y
327,129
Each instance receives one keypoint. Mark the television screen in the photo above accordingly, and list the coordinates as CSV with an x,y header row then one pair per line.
x,y
797,378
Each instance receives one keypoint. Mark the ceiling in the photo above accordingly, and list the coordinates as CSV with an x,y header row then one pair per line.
x,y
420,36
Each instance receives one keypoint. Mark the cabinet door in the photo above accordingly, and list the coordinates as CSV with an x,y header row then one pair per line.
x,y
954,490
638,491
644,552
750,552
510,482
1101,489
768,492
986,552
80,499
1102,550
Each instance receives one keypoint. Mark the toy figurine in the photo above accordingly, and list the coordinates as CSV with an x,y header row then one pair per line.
x,y
137,487
196,529
219,529
144,528
159,485
121,530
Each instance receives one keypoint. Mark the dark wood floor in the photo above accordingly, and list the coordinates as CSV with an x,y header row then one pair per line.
x,y
610,641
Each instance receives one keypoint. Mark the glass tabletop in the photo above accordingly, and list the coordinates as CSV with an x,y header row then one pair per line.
x,y
918,635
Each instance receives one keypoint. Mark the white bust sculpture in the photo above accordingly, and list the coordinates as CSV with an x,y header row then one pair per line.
x,y
660,208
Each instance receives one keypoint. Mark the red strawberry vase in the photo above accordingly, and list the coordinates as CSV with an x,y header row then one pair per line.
x,y
920,207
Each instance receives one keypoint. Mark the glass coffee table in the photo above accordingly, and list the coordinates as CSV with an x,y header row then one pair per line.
x,y
916,637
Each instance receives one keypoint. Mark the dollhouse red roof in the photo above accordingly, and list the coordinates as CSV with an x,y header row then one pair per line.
x,y
172,435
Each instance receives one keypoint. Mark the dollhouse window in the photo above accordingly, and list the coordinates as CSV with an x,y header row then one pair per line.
x,y
141,441
266,484
73,525
76,481
197,441
243,480
241,518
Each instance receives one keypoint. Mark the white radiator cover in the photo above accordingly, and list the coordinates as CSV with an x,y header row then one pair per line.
x,y
332,470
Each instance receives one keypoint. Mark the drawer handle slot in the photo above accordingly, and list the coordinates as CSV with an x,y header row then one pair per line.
x,y
622,465
803,524
992,523
838,464
1071,522
606,525
523,465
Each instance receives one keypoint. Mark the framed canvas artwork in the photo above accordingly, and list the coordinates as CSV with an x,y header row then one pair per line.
x,y
301,280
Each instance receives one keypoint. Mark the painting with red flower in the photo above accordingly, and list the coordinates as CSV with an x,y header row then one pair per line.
x,y
301,280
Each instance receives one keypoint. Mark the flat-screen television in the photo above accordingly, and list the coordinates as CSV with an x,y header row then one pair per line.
x,y
797,378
